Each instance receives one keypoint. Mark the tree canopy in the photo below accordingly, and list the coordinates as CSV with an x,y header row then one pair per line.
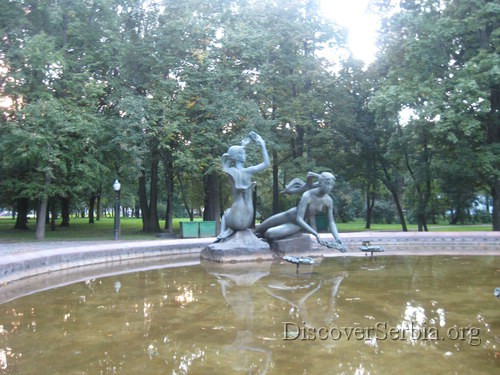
x,y
153,92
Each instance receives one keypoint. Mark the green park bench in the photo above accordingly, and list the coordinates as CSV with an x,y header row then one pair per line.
x,y
190,229
207,229
195,229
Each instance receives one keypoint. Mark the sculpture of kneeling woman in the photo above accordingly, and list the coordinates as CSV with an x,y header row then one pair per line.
x,y
240,215
313,200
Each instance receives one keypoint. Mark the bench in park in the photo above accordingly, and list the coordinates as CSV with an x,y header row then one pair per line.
x,y
198,229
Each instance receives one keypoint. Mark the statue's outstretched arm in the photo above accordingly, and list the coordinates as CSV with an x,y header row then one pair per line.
x,y
265,163
332,225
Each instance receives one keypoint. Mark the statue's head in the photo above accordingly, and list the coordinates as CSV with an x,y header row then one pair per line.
x,y
237,153
234,154
326,181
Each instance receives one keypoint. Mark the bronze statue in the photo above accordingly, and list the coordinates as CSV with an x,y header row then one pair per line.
x,y
314,198
240,215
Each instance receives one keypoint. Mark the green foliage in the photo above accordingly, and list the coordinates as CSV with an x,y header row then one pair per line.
x,y
440,61
111,89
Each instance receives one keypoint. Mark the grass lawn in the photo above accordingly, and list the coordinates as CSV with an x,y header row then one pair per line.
x,y
359,225
81,230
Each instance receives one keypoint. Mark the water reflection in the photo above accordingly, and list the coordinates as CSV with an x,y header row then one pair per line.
x,y
312,299
237,287
3,359
413,323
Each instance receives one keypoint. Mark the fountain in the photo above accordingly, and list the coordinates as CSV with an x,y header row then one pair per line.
x,y
238,243
129,310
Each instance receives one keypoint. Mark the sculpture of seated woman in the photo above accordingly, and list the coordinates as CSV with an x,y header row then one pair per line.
x,y
240,215
314,199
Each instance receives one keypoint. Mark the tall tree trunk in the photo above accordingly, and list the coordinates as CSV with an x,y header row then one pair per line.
x,y
370,203
212,207
393,186
496,205
299,151
493,137
143,201
47,214
150,223
189,209
22,213
422,222
397,201
99,205
42,212
40,220
93,197
65,212
53,214
169,186
154,224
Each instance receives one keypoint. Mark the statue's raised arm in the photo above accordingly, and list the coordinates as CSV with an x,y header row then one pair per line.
x,y
265,156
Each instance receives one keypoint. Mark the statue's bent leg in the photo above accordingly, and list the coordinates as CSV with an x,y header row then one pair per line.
x,y
282,231
276,220
225,231
223,235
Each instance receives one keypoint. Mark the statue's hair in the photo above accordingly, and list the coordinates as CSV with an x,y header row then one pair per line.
x,y
228,158
296,185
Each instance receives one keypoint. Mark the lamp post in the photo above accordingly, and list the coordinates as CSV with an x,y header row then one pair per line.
x,y
116,188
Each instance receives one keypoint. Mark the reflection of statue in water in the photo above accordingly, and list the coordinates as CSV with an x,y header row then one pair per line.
x,y
237,282
240,215
314,299
313,200
312,296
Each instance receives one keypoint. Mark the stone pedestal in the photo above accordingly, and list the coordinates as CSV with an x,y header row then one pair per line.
x,y
297,244
243,246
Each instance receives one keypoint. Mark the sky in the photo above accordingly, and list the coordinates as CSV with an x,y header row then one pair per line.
x,y
362,26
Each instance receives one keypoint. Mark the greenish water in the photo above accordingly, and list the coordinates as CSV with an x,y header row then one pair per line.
x,y
387,315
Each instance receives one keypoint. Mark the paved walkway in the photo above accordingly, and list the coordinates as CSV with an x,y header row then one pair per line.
x,y
376,238
26,259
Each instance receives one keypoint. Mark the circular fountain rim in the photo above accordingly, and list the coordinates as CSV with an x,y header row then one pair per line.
x,y
27,268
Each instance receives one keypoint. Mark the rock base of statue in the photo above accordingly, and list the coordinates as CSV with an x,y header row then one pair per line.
x,y
303,244
299,243
243,246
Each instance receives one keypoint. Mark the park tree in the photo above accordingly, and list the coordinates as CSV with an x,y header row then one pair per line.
x,y
153,92
349,131
284,73
214,113
51,132
473,113
440,64
147,103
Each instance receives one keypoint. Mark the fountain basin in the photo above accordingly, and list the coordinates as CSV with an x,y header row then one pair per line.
x,y
346,315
